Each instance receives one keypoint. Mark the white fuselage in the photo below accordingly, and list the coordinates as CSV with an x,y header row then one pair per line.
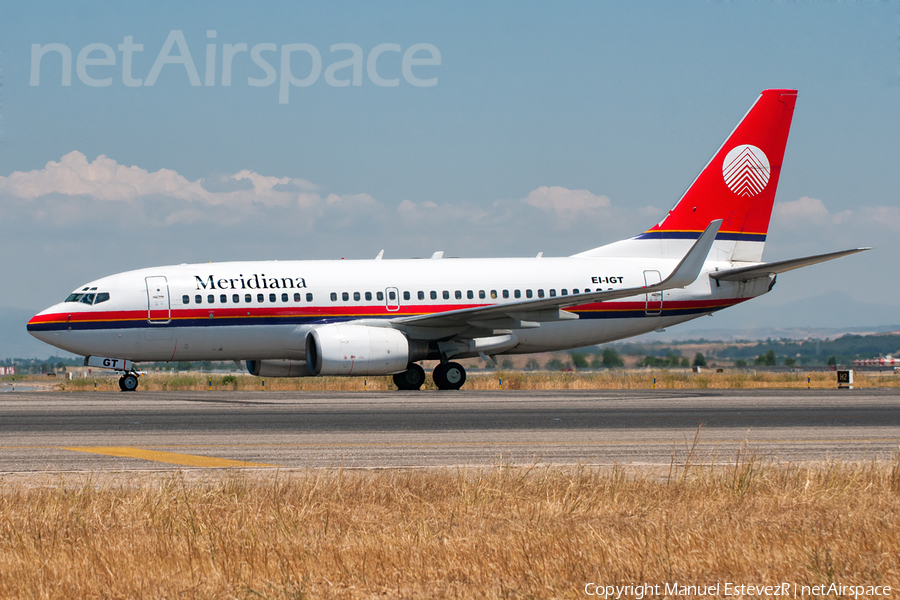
x,y
264,310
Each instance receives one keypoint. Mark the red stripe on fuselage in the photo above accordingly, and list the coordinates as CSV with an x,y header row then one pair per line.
x,y
350,311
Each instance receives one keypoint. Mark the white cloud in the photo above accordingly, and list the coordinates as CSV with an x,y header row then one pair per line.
x,y
564,202
887,217
105,179
798,214
277,213
802,210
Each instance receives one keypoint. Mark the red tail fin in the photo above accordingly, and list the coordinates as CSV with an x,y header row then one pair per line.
x,y
738,185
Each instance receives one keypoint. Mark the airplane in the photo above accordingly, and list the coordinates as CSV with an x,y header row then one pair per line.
x,y
311,318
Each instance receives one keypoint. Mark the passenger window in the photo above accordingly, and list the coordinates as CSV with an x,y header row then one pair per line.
x,y
433,295
446,294
458,294
481,294
211,299
296,297
540,293
470,294
493,294
356,296
392,295
506,293
260,297
564,292
528,293
88,299
517,293
185,299
309,297
271,297
421,295
284,297
103,297
345,296
406,295
333,296
379,296
553,293
223,298
368,296
198,299
236,298
575,291
248,298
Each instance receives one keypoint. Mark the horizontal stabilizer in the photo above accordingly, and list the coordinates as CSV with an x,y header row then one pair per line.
x,y
764,270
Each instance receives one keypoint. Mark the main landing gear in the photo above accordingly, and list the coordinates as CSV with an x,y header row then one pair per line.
x,y
447,376
128,382
410,379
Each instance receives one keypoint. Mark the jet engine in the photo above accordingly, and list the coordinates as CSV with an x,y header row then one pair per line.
x,y
340,349
278,368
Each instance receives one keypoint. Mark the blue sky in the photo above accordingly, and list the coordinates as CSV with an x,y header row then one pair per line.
x,y
612,106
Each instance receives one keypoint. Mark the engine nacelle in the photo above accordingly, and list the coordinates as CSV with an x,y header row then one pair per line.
x,y
278,368
358,350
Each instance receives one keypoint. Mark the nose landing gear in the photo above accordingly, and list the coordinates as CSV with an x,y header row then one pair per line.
x,y
128,382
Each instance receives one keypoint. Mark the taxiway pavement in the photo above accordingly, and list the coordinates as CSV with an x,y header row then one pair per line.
x,y
93,431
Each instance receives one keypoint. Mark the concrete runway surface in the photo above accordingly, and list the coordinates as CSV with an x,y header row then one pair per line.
x,y
89,431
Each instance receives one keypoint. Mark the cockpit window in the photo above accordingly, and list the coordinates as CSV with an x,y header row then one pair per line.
x,y
89,298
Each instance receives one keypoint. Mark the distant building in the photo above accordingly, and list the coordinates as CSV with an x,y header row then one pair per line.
x,y
7,370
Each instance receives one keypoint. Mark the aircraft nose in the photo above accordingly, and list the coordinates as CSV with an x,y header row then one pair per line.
x,y
41,325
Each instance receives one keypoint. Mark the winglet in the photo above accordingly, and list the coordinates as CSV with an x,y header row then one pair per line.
x,y
690,266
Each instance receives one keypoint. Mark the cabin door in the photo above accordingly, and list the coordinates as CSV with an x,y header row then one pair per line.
x,y
159,310
653,302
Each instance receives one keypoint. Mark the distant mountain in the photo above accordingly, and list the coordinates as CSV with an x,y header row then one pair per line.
x,y
827,315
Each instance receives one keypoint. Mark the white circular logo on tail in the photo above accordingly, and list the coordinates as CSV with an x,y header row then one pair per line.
x,y
746,170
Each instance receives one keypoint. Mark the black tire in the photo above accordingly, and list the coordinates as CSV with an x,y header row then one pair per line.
x,y
449,376
410,379
129,383
122,383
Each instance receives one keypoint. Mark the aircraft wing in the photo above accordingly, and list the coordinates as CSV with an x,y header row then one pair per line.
x,y
530,313
773,268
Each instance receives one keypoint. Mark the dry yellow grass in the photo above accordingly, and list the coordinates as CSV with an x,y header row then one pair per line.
x,y
448,533
511,380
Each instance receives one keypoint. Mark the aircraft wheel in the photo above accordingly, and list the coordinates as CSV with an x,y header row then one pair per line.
x,y
410,379
129,383
449,376
122,383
